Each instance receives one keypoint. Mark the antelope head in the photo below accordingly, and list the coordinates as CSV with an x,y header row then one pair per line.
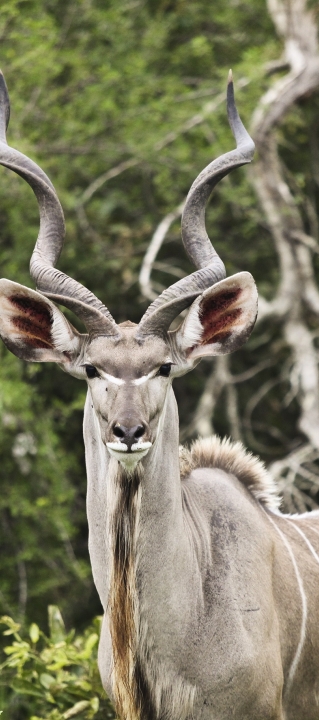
x,y
128,367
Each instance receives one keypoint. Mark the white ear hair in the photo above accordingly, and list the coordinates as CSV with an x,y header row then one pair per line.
x,y
190,333
64,337
33,328
221,319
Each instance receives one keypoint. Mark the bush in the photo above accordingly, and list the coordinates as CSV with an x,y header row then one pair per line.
x,y
55,677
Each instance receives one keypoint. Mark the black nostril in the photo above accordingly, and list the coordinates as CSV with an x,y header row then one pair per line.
x,y
128,435
119,431
138,431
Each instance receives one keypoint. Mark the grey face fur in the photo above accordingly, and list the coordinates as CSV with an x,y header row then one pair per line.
x,y
128,392
209,594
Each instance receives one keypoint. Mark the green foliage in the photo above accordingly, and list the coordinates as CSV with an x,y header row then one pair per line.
x,y
54,677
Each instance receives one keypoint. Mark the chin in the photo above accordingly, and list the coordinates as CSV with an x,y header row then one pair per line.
x,y
128,458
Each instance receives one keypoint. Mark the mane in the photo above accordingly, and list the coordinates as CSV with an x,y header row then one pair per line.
x,y
212,452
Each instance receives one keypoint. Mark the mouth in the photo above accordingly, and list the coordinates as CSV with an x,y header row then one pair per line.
x,y
128,457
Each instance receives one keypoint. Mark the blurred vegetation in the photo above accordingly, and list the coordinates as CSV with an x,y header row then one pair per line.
x,y
55,677
99,86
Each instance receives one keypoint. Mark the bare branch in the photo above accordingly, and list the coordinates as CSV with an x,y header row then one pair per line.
x,y
310,290
153,250
23,588
300,340
254,400
105,177
295,22
170,269
297,475
248,374
220,379
202,422
232,409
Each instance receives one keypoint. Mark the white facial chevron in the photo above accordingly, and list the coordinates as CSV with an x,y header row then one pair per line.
x,y
112,379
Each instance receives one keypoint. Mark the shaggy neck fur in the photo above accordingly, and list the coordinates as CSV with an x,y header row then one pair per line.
x,y
123,600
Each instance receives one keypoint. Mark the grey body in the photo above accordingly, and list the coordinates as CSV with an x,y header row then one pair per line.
x,y
216,586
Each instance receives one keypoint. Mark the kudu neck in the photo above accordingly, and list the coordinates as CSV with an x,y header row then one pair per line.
x,y
161,465
161,497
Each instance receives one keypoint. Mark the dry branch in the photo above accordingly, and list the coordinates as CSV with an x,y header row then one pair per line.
x,y
298,290
152,251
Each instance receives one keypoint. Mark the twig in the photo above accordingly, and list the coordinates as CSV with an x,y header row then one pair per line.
x,y
105,177
23,588
152,251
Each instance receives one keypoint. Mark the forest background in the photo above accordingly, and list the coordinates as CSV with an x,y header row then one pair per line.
x,y
122,104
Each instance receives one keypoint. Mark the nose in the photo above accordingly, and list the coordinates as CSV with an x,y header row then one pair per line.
x,y
128,435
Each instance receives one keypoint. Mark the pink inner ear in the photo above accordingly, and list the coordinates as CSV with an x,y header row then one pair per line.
x,y
217,316
34,321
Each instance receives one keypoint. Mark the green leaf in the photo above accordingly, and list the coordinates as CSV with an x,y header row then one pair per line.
x,y
13,626
23,687
84,685
47,680
56,624
76,709
34,633
95,704
89,645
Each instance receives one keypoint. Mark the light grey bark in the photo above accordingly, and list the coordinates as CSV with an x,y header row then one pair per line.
x,y
297,293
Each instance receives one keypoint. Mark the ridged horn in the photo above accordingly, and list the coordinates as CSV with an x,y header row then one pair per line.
x,y
211,269
49,281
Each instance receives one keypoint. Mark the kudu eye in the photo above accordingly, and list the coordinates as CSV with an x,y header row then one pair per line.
x,y
165,369
91,371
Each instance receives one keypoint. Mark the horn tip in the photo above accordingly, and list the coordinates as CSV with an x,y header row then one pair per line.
x,y
230,91
5,106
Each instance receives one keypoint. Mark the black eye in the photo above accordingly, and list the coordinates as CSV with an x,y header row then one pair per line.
x,y
91,371
165,370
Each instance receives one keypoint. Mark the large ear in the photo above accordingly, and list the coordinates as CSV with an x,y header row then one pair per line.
x,y
34,329
220,320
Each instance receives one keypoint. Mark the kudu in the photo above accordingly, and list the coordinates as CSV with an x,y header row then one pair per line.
x,y
209,592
